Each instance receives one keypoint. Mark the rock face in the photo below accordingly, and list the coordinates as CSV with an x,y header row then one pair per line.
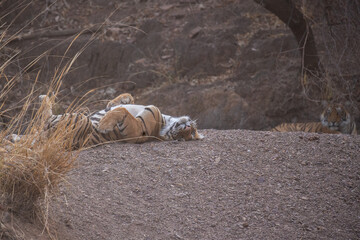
x,y
228,64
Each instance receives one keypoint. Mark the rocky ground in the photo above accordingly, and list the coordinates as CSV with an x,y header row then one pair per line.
x,y
234,184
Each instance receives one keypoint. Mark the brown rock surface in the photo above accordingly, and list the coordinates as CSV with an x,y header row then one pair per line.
x,y
230,64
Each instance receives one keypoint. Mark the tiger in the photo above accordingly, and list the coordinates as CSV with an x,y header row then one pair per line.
x,y
124,98
334,119
121,120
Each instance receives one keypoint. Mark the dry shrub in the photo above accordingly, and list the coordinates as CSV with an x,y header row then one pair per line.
x,y
32,168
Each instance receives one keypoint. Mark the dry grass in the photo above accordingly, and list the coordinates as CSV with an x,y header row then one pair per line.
x,y
32,169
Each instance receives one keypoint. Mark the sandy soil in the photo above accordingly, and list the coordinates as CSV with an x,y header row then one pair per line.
x,y
234,184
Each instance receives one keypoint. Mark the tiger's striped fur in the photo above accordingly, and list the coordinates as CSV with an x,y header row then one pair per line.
x,y
123,122
314,127
334,119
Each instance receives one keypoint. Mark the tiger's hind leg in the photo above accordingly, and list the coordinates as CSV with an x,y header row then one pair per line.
x,y
122,99
120,122
141,128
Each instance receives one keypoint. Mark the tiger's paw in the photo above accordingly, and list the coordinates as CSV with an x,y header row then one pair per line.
x,y
122,99
106,127
112,119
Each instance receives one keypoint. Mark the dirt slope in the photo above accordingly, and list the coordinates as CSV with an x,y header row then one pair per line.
x,y
234,184
229,64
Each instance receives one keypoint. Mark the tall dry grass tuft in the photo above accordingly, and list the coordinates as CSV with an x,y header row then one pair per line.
x,y
32,168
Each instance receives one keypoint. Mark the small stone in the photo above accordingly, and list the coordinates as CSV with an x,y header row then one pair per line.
x,y
178,14
193,33
164,57
68,224
6,218
166,7
110,92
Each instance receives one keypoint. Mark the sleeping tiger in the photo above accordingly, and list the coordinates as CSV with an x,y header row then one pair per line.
x,y
334,119
121,120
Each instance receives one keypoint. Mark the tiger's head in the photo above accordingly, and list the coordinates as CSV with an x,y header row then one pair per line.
x,y
337,118
182,128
